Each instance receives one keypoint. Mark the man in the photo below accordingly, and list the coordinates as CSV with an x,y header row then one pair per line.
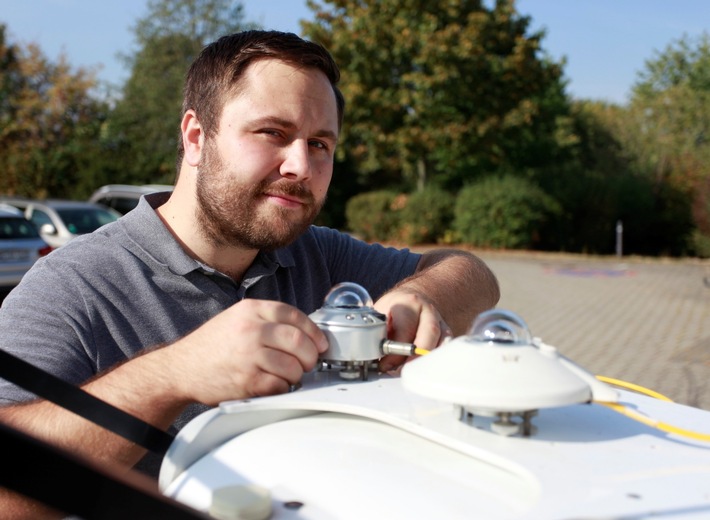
x,y
226,269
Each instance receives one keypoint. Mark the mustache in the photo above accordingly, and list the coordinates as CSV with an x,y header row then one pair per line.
x,y
288,188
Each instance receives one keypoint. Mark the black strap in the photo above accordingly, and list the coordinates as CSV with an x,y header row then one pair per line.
x,y
63,481
82,403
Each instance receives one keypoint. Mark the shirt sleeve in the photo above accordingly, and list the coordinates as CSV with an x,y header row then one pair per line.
x,y
41,323
376,267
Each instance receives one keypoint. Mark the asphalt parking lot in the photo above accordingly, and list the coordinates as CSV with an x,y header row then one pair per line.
x,y
645,321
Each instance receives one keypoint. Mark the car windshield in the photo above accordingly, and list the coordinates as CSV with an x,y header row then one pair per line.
x,y
85,220
17,227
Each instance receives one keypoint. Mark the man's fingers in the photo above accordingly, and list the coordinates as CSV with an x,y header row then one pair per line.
x,y
279,313
432,330
264,384
280,364
390,363
293,341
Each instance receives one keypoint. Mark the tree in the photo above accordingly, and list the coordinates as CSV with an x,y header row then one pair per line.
x,y
144,124
439,91
143,127
670,112
671,99
49,123
10,79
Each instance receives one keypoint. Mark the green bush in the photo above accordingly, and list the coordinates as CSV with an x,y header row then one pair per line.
x,y
700,244
372,215
502,212
426,216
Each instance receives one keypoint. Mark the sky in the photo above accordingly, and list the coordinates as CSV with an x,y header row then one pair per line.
x,y
605,42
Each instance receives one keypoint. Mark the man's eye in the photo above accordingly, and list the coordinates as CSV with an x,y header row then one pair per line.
x,y
319,144
269,132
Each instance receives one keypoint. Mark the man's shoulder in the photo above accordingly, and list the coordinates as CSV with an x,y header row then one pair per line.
x,y
93,246
91,256
340,246
323,234
319,240
136,231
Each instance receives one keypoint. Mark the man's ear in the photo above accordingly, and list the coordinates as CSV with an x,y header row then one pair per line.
x,y
192,138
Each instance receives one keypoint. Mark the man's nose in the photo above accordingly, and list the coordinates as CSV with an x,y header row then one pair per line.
x,y
297,161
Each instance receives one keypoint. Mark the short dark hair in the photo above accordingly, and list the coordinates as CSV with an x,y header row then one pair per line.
x,y
216,73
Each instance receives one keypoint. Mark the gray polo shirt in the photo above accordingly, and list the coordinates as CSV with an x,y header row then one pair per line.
x,y
103,297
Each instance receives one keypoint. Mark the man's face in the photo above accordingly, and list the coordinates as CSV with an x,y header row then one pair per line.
x,y
263,178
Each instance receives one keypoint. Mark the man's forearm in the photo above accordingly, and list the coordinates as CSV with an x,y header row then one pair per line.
x,y
139,387
459,284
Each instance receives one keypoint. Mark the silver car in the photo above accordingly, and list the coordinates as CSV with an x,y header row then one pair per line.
x,y
58,221
20,246
124,197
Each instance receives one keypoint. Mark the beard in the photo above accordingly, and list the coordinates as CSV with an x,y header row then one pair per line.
x,y
234,213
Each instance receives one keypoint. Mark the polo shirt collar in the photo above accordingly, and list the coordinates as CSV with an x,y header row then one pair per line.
x,y
147,231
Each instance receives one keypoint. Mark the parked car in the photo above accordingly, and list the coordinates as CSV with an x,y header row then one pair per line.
x,y
20,246
58,221
124,197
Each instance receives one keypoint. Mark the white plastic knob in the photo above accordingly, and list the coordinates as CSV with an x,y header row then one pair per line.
x,y
241,502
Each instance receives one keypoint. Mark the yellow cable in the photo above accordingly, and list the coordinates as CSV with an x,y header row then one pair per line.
x,y
653,423
632,386
420,351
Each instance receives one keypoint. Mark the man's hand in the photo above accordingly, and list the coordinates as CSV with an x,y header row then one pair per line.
x,y
440,300
411,318
254,348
